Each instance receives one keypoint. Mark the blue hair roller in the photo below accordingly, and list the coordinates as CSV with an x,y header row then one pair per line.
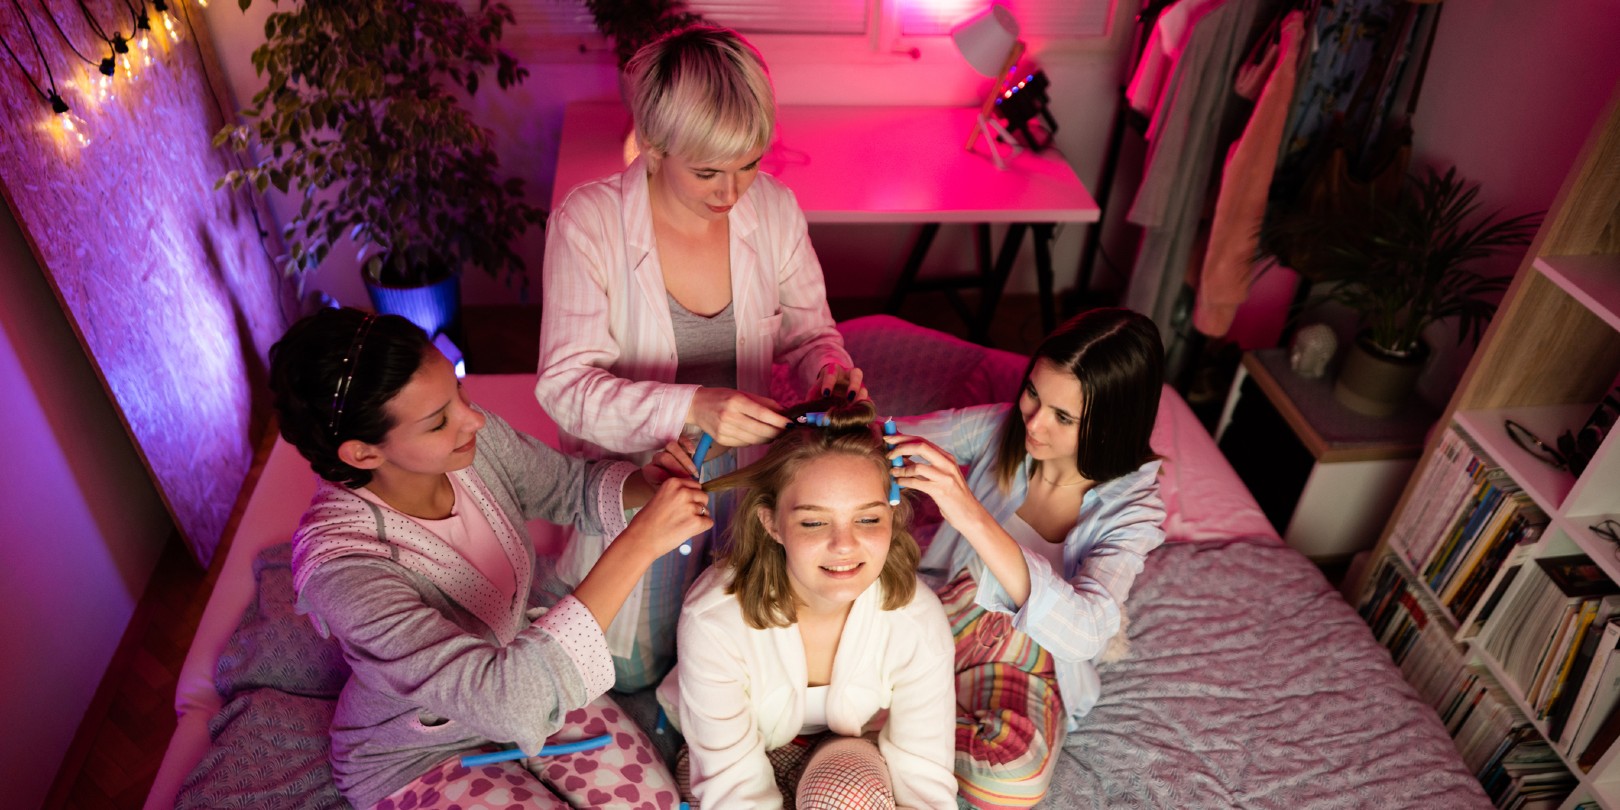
x,y
704,443
588,744
899,461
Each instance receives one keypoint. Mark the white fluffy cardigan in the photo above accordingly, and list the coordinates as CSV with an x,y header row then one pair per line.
x,y
738,692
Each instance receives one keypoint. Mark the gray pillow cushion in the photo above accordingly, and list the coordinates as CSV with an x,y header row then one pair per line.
x,y
274,646
269,753
912,370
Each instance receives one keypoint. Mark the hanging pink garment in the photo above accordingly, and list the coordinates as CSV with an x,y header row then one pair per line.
x,y
1241,205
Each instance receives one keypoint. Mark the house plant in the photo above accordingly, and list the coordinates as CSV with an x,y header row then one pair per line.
x,y
1402,262
634,23
361,116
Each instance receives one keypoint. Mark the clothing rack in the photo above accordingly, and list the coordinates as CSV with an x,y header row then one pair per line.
x,y
1183,344
1125,117
1128,119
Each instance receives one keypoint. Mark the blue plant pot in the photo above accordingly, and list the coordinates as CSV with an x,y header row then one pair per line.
x,y
436,308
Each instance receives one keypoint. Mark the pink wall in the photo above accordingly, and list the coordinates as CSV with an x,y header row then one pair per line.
x,y
1513,89
125,245
165,279
860,260
80,527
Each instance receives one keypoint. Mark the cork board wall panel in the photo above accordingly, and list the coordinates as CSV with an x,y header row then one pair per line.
x,y
166,281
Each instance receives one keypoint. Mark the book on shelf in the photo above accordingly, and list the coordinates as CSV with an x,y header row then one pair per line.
x,y
1437,492
1479,507
1537,630
1556,665
1465,517
1595,646
1515,519
1602,676
1470,625
1501,637
1452,505
1600,596
1505,553
1577,575
1607,730
1525,772
1423,500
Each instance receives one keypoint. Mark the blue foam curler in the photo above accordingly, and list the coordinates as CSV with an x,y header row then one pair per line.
x,y
588,744
704,443
899,461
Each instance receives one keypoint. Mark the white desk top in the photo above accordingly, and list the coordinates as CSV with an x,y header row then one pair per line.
x,y
865,165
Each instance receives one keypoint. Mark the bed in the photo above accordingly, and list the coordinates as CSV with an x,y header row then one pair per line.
x,y
1250,682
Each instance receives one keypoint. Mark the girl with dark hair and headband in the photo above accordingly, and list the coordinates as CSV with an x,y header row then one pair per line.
x,y
415,557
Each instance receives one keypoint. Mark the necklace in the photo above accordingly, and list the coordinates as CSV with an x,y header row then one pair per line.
x,y
1055,484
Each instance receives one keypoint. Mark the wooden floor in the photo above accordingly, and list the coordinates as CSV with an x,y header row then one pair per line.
x,y
115,755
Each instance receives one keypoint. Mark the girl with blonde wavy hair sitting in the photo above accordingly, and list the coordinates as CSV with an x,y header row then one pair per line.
x,y
814,670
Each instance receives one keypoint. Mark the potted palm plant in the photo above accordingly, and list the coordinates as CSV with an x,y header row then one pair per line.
x,y
1401,263
361,117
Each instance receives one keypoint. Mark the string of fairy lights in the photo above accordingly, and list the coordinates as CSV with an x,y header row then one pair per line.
x,y
131,47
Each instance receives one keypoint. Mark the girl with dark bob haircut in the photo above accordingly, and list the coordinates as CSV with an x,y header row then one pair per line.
x,y
1044,536
821,564
414,555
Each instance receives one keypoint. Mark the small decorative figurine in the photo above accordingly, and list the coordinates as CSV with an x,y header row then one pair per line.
x,y
1313,349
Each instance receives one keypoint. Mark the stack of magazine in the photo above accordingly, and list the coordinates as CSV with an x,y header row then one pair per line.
x,y
1466,519
1497,741
1554,636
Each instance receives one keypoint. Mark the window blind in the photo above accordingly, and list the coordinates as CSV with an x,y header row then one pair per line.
x,y
785,16
553,17
1039,19
570,17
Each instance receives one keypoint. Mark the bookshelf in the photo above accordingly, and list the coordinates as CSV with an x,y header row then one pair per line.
x,y
1549,356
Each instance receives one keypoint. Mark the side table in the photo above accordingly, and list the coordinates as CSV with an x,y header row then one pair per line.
x,y
1326,476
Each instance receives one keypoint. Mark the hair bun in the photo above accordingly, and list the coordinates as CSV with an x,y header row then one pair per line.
x,y
842,415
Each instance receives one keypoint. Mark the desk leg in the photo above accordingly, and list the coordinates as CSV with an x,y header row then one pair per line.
x,y
992,292
908,275
1043,274
1232,396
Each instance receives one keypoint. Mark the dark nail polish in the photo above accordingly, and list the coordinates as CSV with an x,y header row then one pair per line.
x,y
852,396
826,392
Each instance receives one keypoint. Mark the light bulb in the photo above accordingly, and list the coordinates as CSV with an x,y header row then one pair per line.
x,y
75,129
173,31
67,124
200,3
121,52
167,31
143,41
96,83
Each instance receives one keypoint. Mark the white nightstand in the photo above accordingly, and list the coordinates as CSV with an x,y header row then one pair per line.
x,y
1326,476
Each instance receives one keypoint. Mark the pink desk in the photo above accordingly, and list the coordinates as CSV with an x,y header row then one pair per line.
x,y
853,165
